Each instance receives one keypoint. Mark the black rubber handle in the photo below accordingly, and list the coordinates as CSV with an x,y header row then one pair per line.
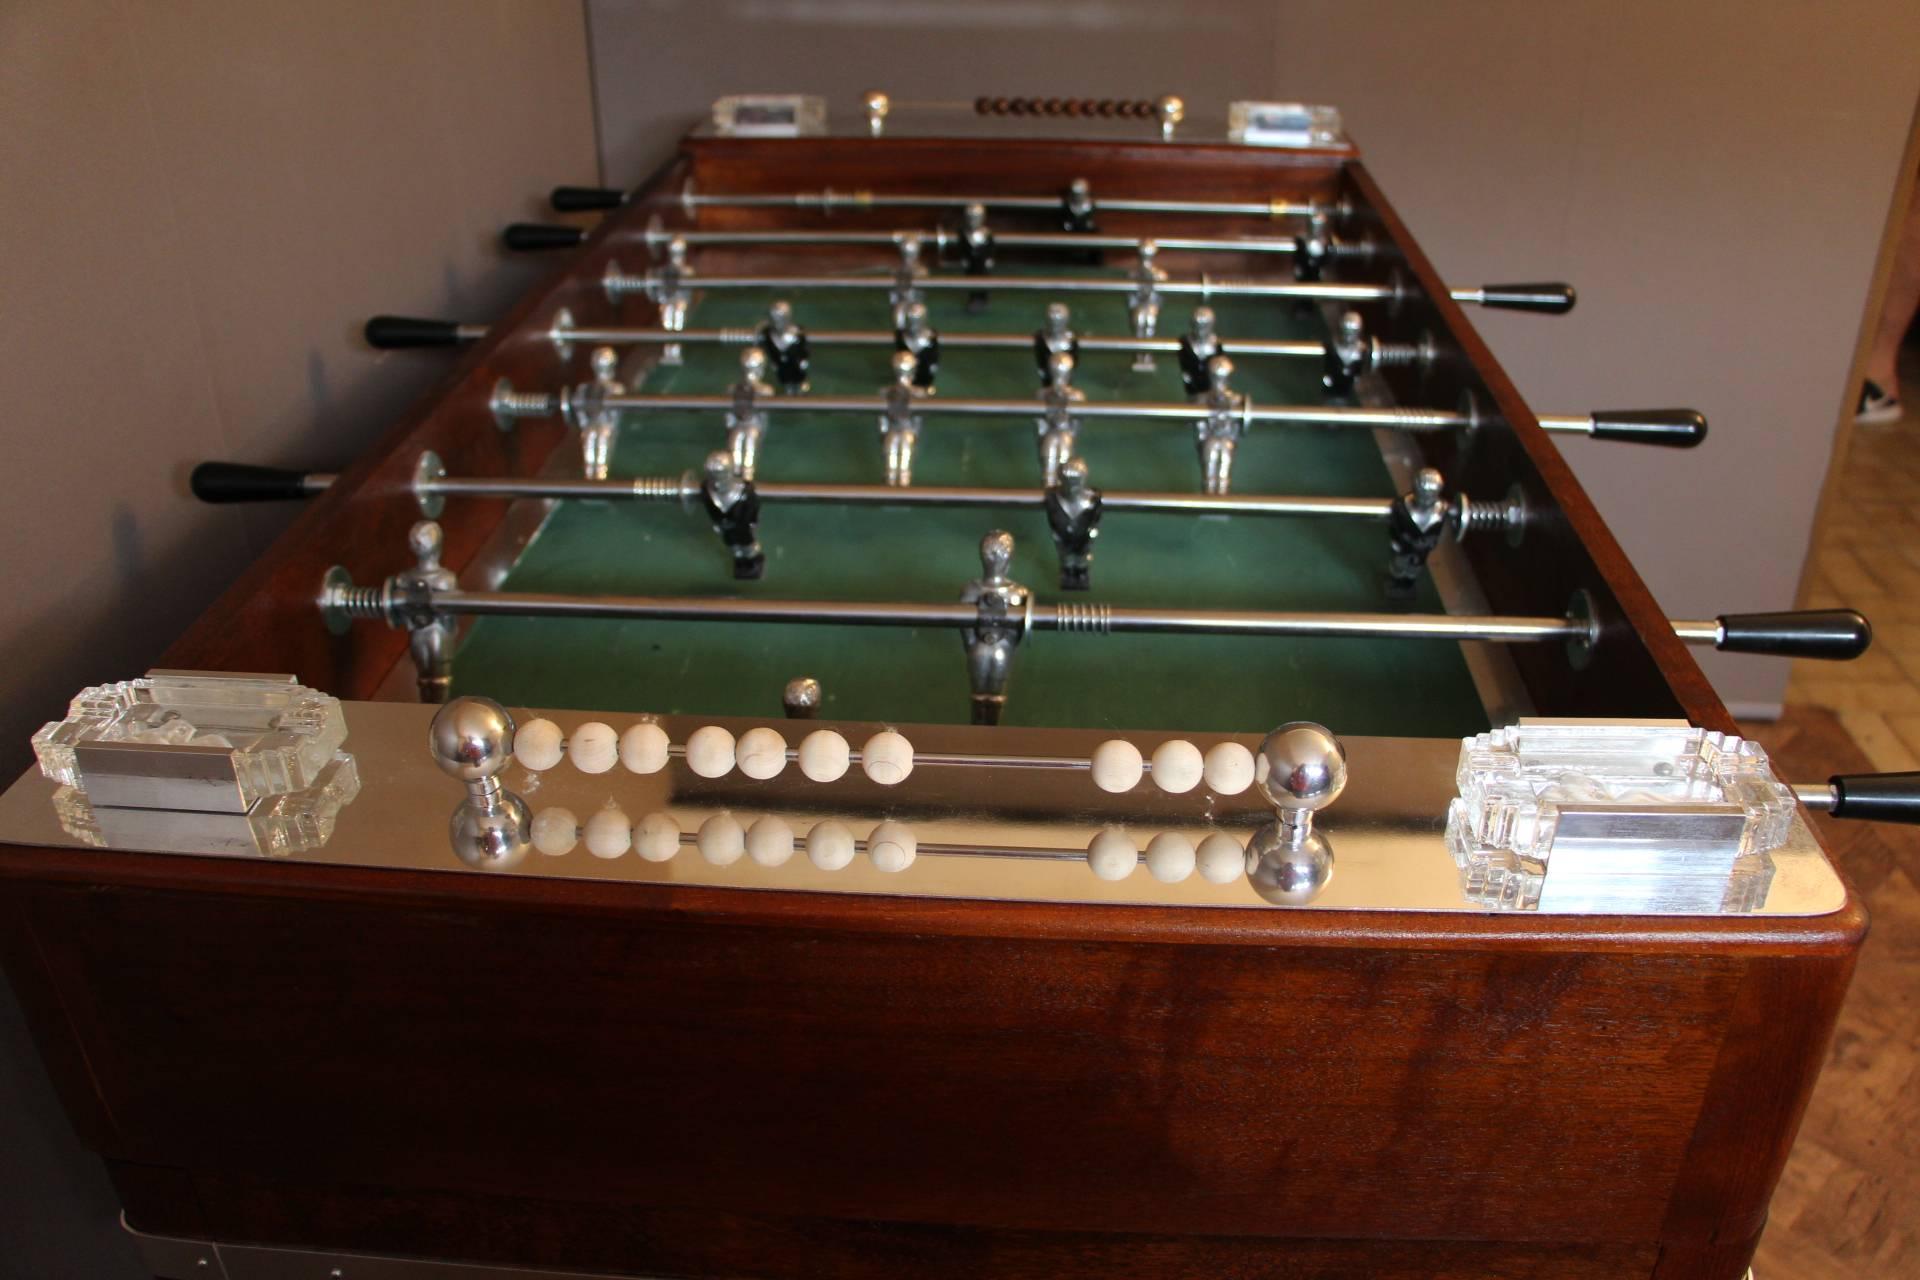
x,y
533,237
1877,797
241,482
397,333
1548,299
585,199
1810,633
1674,428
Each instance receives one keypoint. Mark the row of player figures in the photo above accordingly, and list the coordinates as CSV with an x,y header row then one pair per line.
x,y
1301,769
1117,765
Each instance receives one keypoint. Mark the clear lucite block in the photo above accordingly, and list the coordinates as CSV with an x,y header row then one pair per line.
x,y
770,115
294,823
1588,816
1283,124
273,737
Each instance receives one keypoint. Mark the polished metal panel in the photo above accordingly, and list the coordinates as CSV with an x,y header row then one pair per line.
x,y
991,825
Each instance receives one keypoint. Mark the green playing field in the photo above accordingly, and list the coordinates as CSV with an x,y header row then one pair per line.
x,y
1198,683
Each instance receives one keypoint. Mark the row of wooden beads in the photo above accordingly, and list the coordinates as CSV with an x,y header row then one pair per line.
x,y
1177,766
711,751
770,841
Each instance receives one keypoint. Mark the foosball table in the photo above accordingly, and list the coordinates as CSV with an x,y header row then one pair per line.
x,y
1019,696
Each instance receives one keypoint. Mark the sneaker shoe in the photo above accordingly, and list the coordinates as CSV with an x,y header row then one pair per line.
x,y
1876,405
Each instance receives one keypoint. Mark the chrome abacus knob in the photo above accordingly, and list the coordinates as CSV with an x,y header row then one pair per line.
x,y
1171,112
472,740
877,106
1288,863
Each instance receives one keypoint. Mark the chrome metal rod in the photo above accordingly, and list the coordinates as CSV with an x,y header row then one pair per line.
x,y
685,488
1088,619
1817,796
830,201
1336,416
620,335
1204,287
942,238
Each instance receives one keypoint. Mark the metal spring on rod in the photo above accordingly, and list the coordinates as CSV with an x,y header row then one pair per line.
x,y
661,488
1096,619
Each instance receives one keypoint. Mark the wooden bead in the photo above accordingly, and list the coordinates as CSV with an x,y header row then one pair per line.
x,y
1116,765
892,847
1221,859
1112,855
887,758
536,744
1229,768
710,751
657,838
721,840
770,841
825,756
608,834
1177,765
762,753
830,845
593,748
643,748
1170,857
555,831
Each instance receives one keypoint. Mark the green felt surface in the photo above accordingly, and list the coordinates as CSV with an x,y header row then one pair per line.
x,y
1195,683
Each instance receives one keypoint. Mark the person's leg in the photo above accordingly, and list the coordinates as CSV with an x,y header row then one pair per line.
x,y
1896,312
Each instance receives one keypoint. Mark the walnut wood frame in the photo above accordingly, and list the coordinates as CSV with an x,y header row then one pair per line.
x,y
691,1081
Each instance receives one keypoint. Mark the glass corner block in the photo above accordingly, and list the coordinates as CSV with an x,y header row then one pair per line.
x,y
769,115
278,736
1284,124
1611,817
298,822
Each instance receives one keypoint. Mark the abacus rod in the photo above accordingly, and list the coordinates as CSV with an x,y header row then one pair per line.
x,y
665,488
742,337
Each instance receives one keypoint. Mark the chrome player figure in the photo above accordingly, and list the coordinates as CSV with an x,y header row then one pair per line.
x,y
976,252
734,509
597,431
746,421
1055,336
1199,345
668,289
1219,432
899,424
906,280
1057,429
1349,354
917,337
1073,516
785,343
1419,521
990,641
1143,304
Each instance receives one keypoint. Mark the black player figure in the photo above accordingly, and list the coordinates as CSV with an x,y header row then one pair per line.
x,y
1349,353
1415,527
1073,514
786,346
734,508
917,338
1076,216
1197,346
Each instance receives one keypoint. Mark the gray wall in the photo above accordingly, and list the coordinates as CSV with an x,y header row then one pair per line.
x,y
1712,175
202,201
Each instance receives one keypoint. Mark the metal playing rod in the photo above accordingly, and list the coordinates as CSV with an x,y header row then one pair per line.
x,y
942,239
830,201
639,336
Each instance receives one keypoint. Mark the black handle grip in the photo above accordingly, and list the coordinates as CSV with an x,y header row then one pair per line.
x,y
1673,428
585,199
241,482
1548,299
397,333
533,237
1810,633
1877,797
